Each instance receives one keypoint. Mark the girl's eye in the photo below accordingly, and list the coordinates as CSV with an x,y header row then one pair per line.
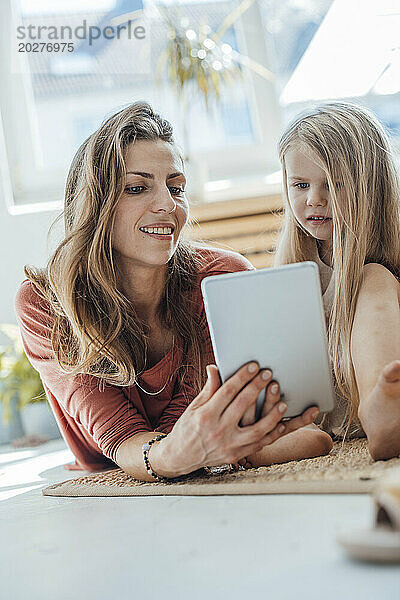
x,y
176,191
302,185
134,189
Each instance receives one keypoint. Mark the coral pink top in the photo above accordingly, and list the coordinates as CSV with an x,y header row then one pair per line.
x,y
95,422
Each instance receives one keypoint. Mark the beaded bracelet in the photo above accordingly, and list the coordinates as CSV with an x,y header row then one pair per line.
x,y
146,447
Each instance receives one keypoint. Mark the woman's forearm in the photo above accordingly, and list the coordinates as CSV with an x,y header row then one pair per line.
x,y
130,457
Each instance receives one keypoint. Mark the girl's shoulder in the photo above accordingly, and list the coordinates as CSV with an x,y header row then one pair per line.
x,y
215,260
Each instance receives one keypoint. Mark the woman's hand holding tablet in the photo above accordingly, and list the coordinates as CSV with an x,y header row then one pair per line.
x,y
209,432
272,395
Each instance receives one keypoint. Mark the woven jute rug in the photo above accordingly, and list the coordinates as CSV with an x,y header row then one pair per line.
x,y
348,469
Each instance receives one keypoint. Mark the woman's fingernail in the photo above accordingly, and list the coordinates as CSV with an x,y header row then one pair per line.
x,y
314,414
275,388
252,367
281,428
282,407
266,375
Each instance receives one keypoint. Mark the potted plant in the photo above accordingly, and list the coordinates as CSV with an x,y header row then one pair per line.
x,y
10,420
21,391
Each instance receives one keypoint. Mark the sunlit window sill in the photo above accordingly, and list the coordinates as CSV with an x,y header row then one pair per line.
x,y
243,187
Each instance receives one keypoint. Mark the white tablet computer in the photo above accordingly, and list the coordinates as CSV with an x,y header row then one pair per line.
x,y
274,316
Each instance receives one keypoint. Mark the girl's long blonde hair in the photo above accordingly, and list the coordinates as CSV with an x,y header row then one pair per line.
x,y
96,330
351,146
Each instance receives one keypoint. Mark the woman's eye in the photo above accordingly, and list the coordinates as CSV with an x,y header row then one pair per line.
x,y
176,191
134,189
302,185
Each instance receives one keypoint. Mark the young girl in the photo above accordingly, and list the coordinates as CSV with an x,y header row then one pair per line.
x,y
115,323
343,211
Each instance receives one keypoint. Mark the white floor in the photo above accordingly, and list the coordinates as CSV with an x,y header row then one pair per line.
x,y
277,547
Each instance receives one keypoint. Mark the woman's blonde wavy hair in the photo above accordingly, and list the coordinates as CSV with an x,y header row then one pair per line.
x,y
96,330
351,146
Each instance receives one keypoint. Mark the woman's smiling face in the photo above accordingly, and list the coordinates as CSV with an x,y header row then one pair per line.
x,y
153,209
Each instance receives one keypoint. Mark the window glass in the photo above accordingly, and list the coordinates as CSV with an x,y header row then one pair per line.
x,y
336,49
72,97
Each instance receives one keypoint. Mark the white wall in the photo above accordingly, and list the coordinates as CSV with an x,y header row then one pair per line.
x,y
23,240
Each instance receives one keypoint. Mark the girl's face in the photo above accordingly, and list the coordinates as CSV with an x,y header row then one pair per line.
x,y
153,208
309,195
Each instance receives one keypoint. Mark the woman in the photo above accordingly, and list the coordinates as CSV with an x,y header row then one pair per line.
x,y
116,327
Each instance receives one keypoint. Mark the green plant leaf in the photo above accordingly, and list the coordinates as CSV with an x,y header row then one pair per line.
x,y
18,379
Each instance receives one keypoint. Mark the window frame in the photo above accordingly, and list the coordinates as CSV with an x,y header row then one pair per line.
x,y
23,172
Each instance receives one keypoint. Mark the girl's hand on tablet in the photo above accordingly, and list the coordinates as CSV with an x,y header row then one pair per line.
x,y
209,432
